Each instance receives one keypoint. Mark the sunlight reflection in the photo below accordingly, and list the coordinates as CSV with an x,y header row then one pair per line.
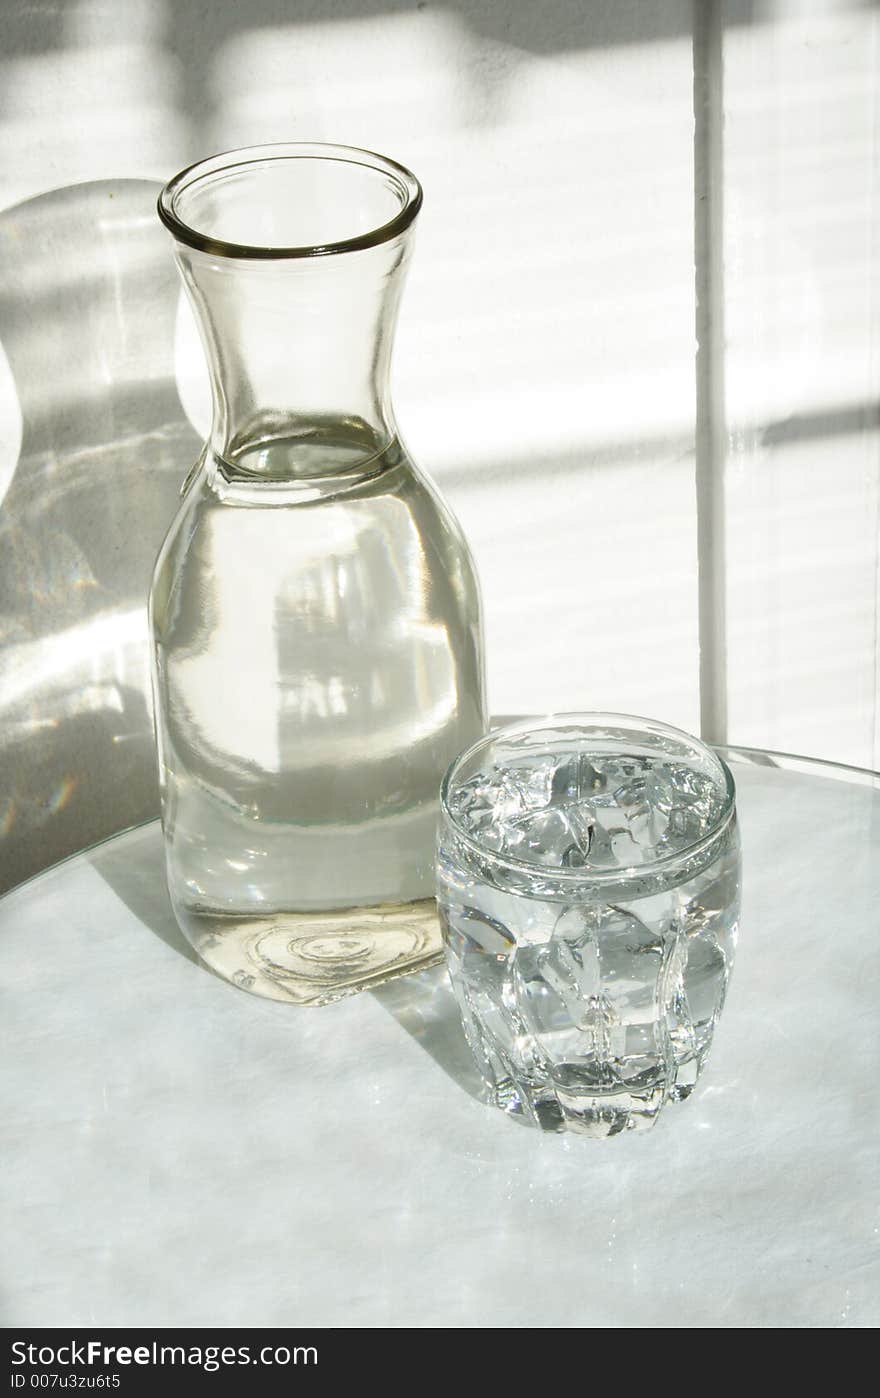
x,y
803,496
62,795
549,315
34,666
104,445
544,370
10,425
330,81
302,572
575,303
79,110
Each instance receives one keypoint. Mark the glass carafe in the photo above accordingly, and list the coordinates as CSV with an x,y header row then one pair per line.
x,y
317,648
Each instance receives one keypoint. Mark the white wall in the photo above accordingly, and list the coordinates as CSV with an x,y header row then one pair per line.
x,y
803,504
545,364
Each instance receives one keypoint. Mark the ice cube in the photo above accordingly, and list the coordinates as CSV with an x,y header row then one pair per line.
x,y
533,781
602,854
578,778
487,799
660,790
685,803
541,837
626,848
632,795
582,822
566,780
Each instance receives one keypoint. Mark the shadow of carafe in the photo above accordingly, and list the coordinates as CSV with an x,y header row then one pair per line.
x,y
134,867
88,305
422,1004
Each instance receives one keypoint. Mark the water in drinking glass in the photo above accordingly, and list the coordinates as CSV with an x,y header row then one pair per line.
x,y
589,889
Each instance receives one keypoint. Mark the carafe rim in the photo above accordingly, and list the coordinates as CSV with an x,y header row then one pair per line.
x,y
404,183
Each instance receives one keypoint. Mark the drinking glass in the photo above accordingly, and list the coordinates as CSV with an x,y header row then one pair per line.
x,y
589,893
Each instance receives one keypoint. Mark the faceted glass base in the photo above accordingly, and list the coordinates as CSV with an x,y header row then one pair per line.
x,y
313,958
596,1115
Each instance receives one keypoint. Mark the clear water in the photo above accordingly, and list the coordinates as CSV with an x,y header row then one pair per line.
x,y
317,665
589,1005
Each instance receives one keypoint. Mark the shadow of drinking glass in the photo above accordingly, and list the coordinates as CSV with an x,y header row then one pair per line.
x,y
425,1007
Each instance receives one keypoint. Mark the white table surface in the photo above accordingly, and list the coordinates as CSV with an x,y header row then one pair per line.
x,y
177,1152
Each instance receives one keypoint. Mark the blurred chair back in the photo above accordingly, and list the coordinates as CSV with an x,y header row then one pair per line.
x,y
88,302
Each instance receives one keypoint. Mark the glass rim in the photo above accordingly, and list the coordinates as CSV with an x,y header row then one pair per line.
x,y
408,187
585,876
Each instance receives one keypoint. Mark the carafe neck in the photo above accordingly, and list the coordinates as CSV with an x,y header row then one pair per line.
x,y
299,354
294,258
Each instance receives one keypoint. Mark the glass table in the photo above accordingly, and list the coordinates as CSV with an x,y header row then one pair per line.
x,y
180,1153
